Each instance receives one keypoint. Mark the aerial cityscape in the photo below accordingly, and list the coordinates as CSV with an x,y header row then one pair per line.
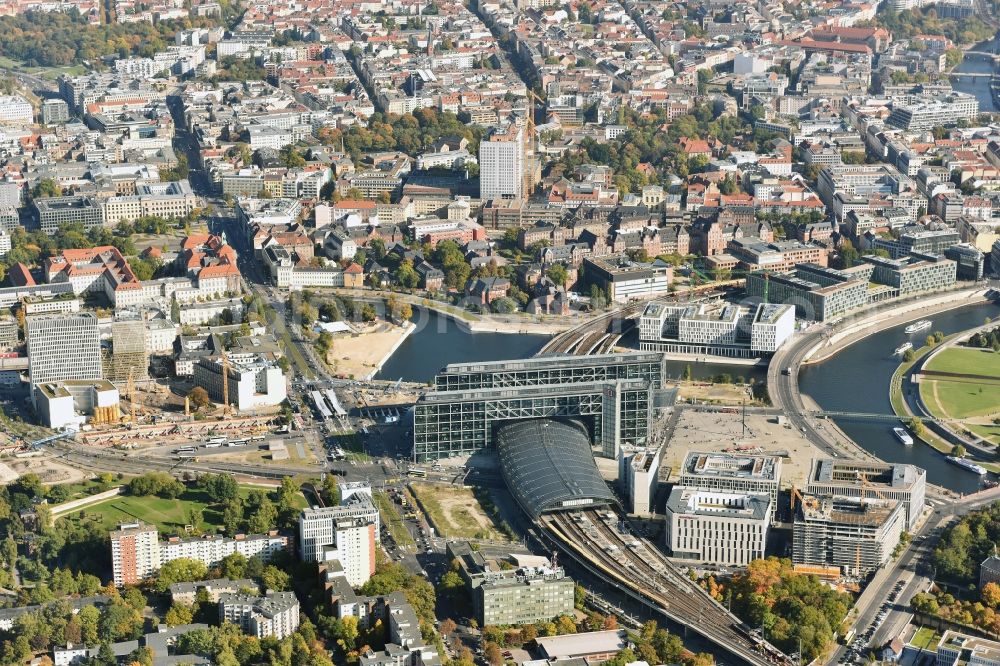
x,y
499,333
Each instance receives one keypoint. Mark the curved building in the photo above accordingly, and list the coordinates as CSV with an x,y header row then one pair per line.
x,y
548,465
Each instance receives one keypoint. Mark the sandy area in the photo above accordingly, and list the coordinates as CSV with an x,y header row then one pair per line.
x,y
48,470
730,394
714,432
455,510
361,355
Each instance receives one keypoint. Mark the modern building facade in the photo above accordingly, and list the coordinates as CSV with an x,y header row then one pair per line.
x,y
518,589
956,648
854,478
717,527
623,279
734,473
716,329
354,549
55,212
639,475
318,525
857,536
254,382
63,346
135,553
502,165
613,393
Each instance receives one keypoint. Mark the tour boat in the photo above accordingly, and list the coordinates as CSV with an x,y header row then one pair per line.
x,y
902,436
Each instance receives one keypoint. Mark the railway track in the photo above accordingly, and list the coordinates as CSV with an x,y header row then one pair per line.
x,y
102,460
591,337
642,570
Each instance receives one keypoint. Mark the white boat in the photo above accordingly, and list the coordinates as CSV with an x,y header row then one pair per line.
x,y
921,325
903,348
903,436
965,464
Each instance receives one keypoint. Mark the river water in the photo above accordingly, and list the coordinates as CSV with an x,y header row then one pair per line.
x,y
857,380
975,64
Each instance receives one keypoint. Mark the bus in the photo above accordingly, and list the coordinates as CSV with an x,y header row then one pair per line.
x,y
849,636
216,440
238,442
416,471
185,449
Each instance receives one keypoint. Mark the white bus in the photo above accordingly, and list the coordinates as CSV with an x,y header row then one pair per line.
x,y
217,440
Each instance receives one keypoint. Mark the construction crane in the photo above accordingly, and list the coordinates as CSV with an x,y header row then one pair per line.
x,y
796,494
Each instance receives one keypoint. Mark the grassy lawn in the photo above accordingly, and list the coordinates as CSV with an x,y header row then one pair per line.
x,y
455,512
392,520
960,399
170,516
926,638
966,361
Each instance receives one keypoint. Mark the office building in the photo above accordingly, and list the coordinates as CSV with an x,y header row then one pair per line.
x,y
502,164
63,346
272,615
854,478
856,535
254,381
168,200
135,553
917,239
914,274
717,527
970,261
956,648
924,112
719,329
817,292
55,212
518,588
54,111
318,525
16,110
623,279
736,473
639,473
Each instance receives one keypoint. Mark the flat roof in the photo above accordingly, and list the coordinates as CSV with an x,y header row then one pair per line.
x,y
694,502
575,645
849,473
731,466
553,361
537,390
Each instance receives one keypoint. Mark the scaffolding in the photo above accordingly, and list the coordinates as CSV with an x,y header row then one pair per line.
x,y
129,352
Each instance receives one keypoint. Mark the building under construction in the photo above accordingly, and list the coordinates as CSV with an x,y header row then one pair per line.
x,y
858,535
129,352
858,479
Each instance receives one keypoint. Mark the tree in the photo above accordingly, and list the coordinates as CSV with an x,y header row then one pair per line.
x,y
908,356
46,187
181,570
275,579
492,654
991,594
958,451
448,626
179,614
233,566
558,274
220,487
199,397
565,625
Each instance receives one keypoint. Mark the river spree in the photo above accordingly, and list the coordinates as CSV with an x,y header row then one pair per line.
x,y
977,65
438,341
857,380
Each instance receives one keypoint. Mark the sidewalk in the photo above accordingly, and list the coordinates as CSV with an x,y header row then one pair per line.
x,y
878,321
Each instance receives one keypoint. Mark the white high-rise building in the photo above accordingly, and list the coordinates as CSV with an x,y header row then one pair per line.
x,y
135,553
15,109
275,614
63,346
354,549
318,526
501,165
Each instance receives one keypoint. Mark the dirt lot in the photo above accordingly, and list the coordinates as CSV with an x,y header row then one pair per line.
x,y
455,512
47,469
362,354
